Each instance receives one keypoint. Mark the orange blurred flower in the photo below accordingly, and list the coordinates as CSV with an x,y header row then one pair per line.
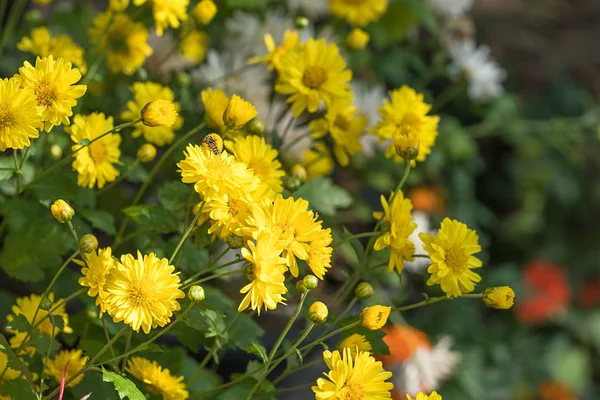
x,y
403,341
589,294
427,199
551,390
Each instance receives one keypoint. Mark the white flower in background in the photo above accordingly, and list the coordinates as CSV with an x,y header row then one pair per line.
x,y
420,264
245,33
451,8
484,75
309,8
165,58
368,100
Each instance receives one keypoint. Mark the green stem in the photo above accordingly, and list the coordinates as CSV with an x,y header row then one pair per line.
x,y
431,300
24,157
121,178
294,388
186,234
215,276
189,281
357,236
17,170
290,371
291,349
127,344
228,384
107,337
327,336
43,374
12,20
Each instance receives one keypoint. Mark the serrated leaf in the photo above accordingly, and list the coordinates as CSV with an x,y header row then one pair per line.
x,y
19,323
174,195
153,217
324,196
123,386
100,220
14,362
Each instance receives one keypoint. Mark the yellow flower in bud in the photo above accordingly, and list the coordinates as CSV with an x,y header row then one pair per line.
x,y
357,39
196,294
62,211
146,153
255,127
355,343
205,11
88,243
502,297
238,112
375,317
56,151
406,142
363,291
159,113
422,396
215,102
214,143
318,312
299,172
118,5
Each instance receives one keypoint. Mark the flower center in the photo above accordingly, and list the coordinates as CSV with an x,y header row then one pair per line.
x,y
45,94
236,207
353,391
6,118
342,122
457,259
118,45
314,77
411,120
141,294
98,151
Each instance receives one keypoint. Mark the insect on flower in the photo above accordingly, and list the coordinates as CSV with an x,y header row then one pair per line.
x,y
213,142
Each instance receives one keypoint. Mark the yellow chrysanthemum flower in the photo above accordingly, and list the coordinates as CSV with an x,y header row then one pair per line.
x,y
57,365
27,307
193,46
157,379
398,226
407,109
344,126
167,13
53,82
375,317
301,233
358,377
125,42
261,158
500,297
268,268
355,343
19,118
291,38
159,113
357,39
358,12
422,396
42,44
8,374
238,112
143,292
95,163
318,160
215,175
229,214
144,93
451,253
215,102
204,11
312,73
99,265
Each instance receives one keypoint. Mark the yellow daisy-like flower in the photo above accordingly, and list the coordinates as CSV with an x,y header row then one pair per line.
x,y
144,93
194,45
57,365
261,159
291,39
215,175
167,13
229,214
451,253
215,102
27,307
355,343
301,233
422,396
95,163
8,374
407,110
42,44
99,265
398,226
375,317
268,268
157,379
238,112
344,126
358,12
143,292
358,377
318,160
313,72
53,83
125,42
19,118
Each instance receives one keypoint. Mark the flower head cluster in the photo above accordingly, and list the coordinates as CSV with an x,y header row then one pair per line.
x,y
157,379
41,43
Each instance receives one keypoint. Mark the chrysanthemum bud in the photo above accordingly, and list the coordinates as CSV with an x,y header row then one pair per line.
x,y
318,312
292,183
88,243
214,143
118,5
406,142
159,113
501,297
62,211
363,291
235,241
34,16
310,281
255,127
249,272
298,171
238,113
357,39
300,288
204,11
375,317
196,294
56,151
184,79
301,22
146,153
46,304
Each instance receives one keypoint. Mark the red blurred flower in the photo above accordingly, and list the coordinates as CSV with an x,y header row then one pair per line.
x,y
551,390
589,294
547,292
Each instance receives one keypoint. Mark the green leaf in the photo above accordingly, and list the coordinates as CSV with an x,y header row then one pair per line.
x,y
244,332
572,366
54,186
124,387
190,259
153,217
93,347
7,166
19,323
100,220
260,350
324,196
14,362
424,13
18,389
174,195
355,243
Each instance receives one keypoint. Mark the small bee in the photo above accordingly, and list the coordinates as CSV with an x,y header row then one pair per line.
x,y
213,142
